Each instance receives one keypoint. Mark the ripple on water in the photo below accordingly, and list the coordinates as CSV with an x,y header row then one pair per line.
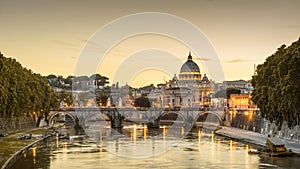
x,y
184,153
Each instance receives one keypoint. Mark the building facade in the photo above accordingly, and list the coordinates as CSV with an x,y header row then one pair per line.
x,y
242,101
190,89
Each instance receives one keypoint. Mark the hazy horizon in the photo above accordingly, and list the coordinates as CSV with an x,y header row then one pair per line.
x,y
49,36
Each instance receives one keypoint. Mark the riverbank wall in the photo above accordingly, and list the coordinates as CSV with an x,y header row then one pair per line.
x,y
20,153
254,138
9,125
251,120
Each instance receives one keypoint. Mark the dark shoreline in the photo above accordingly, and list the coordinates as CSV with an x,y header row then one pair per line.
x,y
17,154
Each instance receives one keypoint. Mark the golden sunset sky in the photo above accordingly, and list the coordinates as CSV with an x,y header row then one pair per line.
x,y
49,37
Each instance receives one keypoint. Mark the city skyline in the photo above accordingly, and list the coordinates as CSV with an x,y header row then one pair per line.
x,y
48,37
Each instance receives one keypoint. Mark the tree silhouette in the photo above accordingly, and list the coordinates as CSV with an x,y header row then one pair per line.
x,y
277,86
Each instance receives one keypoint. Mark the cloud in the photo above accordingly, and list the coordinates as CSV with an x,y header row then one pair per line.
x,y
238,61
294,26
196,58
90,42
99,47
204,59
65,43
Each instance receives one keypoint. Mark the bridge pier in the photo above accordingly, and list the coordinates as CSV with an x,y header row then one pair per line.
x,y
116,119
153,124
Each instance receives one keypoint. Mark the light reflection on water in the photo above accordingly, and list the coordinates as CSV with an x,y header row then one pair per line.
x,y
200,150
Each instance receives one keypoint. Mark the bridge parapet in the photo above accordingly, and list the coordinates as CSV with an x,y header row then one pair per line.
x,y
118,115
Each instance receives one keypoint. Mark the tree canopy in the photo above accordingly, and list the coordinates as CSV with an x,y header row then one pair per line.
x,y
23,92
142,102
277,86
225,93
66,97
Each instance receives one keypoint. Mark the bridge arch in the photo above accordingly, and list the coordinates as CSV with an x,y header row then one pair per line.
x,y
90,115
51,117
170,113
215,114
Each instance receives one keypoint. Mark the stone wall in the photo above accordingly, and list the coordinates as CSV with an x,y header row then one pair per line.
x,y
258,124
15,124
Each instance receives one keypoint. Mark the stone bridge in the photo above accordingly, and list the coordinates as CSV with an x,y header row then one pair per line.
x,y
152,117
82,115
187,116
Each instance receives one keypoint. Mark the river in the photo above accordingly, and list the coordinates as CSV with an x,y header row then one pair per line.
x,y
136,146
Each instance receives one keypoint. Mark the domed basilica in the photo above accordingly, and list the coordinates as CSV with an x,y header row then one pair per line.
x,y
190,75
191,89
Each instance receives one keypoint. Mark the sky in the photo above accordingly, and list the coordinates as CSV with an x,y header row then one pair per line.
x,y
59,36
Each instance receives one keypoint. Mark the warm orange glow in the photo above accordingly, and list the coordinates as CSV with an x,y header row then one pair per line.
x,y
234,113
247,149
164,132
56,142
145,131
34,151
100,152
100,138
250,116
232,145
199,135
65,148
134,132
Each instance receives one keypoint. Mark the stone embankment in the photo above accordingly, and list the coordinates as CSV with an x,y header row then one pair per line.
x,y
254,138
12,145
10,125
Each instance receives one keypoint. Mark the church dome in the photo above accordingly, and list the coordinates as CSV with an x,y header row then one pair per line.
x,y
205,79
190,66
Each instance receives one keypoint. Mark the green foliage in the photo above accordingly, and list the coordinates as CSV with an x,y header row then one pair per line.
x,y
277,86
142,102
77,83
66,97
84,98
99,80
23,92
101,97
227,92
60,81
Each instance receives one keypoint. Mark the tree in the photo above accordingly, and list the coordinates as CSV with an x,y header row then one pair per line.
x,y
225,93
99,80
69,81
142,102
23,92
51,76
101,97
66,97
277,88
83,98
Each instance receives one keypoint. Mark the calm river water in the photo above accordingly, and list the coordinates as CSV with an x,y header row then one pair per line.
x,y
137,147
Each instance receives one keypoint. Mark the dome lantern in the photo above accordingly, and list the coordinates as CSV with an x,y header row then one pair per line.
x,y
190,65
190,72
